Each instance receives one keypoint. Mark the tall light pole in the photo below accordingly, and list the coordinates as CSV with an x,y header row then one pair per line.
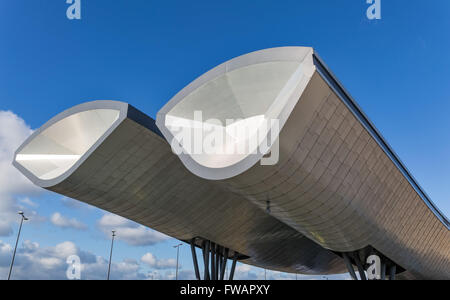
x,y
23,218
178,253
110,254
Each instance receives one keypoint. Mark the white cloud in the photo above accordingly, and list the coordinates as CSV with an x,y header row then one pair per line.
x,y
13,185
129,232
245,272
170,275
186,275
153,262
27,201
241,268
65,249
113,221
35,262
58,220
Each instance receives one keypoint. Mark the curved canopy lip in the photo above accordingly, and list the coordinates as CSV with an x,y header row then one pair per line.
x,y
122,109
302,55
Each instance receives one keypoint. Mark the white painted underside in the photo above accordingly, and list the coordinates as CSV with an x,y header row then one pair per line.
x,y
56,149
235,105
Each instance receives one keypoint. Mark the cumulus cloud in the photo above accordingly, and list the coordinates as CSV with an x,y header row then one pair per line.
x,y
60,221
35,262
246,272
186,275
50,263
28,202
129,232
13,185
153,262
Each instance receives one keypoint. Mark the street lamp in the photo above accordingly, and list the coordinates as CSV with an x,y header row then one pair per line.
x,y
110,254
178,253
23,218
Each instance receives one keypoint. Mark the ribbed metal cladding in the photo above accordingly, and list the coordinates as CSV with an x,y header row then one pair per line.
x,y
336,185
134,174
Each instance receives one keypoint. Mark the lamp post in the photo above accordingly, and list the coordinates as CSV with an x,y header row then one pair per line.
x,y
110,254
178,253
23,218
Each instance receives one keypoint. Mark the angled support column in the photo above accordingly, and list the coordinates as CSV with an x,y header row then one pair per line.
x,y
206,250
362,275
385,267
215,259
194,258
383,270
224,264
349,265
218,259
392,272
233,267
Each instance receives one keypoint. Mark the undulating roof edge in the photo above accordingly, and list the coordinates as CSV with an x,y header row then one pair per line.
x,y
345,96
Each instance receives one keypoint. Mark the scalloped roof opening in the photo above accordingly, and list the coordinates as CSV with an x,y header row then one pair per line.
x,y
235,104
56,149
240,94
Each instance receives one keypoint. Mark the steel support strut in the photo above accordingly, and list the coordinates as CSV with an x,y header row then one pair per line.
x,y
206,250
383,270
215,259
392,272
362,275
354,258
233,267
224,263
349,265
217,263
194,258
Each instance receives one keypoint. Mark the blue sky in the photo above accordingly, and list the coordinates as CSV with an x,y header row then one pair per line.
x,y
144,52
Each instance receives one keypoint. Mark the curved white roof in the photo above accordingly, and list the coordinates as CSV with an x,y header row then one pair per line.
x,y
336,188
238,102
